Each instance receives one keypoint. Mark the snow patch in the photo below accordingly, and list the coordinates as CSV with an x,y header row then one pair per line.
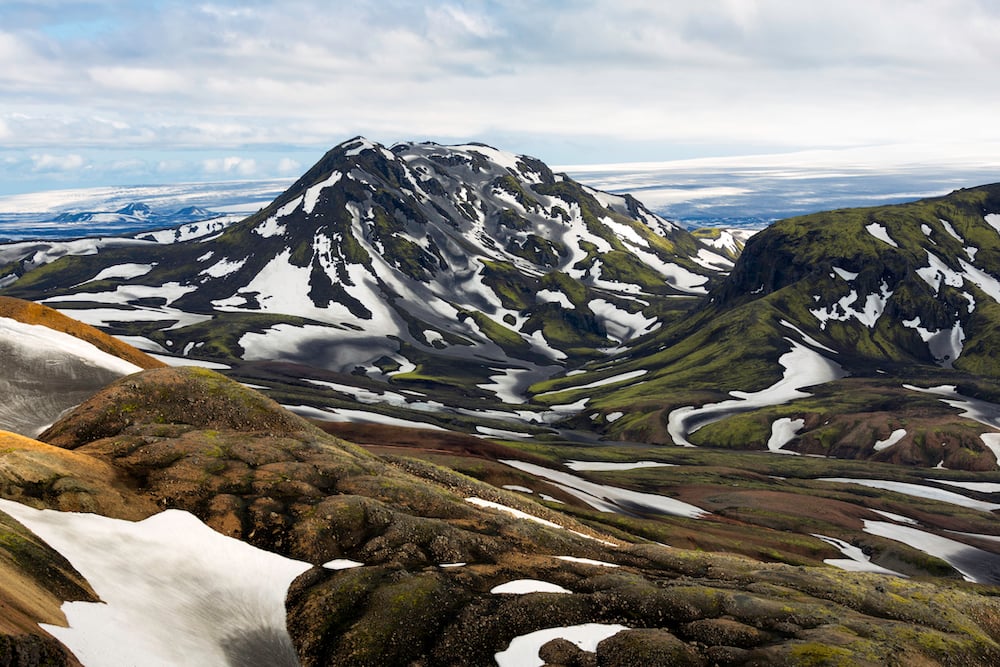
x,y
893,438
605,466
783,431
917,491
550,296
523,650
803,368
606,498
223,268
845,274
510,510
856,561
38,339
342,564
975,565
993,220
525,586
124,271
869,314
587,561
176,591
881,233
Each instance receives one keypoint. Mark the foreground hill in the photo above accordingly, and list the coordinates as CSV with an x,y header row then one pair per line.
x,y
402,562
51,363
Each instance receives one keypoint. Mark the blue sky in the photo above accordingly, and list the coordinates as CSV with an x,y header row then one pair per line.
x,y
115,92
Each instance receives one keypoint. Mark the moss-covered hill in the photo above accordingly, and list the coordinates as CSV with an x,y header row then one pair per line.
x,y
191,439
888,298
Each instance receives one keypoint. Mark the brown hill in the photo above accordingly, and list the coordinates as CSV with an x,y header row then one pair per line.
x,y
191,439
29,312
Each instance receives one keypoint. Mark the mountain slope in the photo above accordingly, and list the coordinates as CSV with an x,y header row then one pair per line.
x,y
864,302
422,259
52,362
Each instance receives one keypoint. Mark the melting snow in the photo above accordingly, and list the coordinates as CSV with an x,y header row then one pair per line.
x,y
608,498
803,368
856,561
871,311
625,233
993,220
312,194
587,561
342,564
550,296
951,230
981,487
944,345
620,324
174,591
124,271
124,294
501,433
34,339
621,377
523,650
880,232
899,518
603,466
845,274
524,586
893,438
806,338
783,431
917,491
223,268
357,417
974,564
982,280
510,510
976,409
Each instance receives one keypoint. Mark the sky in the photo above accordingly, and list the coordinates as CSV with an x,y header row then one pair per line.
x,y
125,92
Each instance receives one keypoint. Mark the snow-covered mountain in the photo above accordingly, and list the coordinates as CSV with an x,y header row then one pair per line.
x,y
406,261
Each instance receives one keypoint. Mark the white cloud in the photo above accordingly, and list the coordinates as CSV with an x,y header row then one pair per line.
x,y
139,79
57,163
289,166
230,165
229,76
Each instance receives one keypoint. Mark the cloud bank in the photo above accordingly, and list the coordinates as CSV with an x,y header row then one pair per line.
x,y
570,80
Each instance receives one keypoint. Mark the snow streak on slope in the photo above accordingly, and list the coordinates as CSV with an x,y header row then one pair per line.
x,y
984,412
174,591
609,498
803,368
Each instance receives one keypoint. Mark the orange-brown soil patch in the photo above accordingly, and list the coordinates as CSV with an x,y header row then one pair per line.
x,y
35,313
